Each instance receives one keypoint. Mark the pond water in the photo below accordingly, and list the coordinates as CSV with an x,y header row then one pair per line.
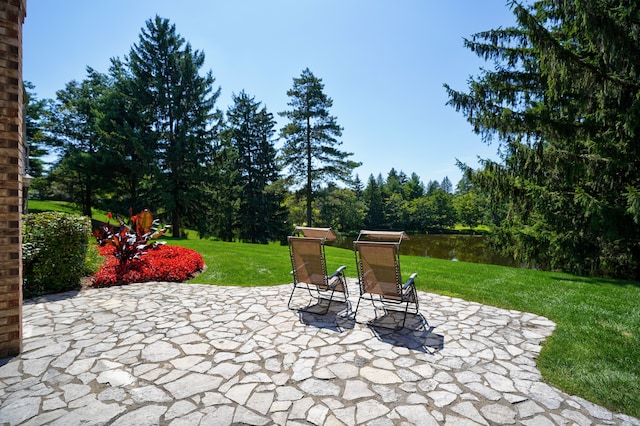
x,y
465,248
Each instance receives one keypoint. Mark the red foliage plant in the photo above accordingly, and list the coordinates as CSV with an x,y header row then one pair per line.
x,y
130,242
160,263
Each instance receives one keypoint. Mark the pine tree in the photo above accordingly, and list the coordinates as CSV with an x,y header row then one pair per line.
x,y
251,131
564,103
310,151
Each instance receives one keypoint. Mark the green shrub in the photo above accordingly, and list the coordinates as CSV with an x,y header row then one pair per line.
x,y
54,252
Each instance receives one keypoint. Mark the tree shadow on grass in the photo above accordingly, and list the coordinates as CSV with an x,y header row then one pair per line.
x,y
597,281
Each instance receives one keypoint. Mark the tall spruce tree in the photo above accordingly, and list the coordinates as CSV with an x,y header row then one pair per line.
x,y
178,104
311,149
564,102
251,132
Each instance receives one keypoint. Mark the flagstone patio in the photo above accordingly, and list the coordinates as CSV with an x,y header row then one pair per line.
x,y
180,354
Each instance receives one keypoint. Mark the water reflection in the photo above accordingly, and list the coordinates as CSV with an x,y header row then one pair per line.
x,y
465,248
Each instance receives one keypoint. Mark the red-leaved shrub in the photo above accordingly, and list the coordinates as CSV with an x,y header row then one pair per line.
x,y
160,263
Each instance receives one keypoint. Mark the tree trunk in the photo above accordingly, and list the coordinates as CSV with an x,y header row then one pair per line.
x,y
175,223
309,194
86,202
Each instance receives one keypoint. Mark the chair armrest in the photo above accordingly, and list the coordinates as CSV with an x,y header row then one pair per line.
x,y
410,281
338,271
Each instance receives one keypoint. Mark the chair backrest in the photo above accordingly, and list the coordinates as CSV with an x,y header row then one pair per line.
x,y
378,265
388,236
308,260
322,233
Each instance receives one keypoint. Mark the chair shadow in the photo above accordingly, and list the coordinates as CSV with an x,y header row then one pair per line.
x,y
416,334
336,318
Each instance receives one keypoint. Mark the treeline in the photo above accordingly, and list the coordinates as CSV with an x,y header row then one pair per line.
x,y
396,202
562,102
148,134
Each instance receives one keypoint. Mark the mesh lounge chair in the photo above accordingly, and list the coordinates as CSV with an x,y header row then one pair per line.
x,y
310,269
378,264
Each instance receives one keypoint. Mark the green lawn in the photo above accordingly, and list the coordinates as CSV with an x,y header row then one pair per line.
x,y
593,353
36,206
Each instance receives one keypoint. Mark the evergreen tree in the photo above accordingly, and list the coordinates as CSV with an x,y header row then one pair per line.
x,y
374,218
357,186
394,183
37,112
413,188
465,183
432,187
564,102
178,105
74,128
129,144
221,185
251,131
311,149
446,186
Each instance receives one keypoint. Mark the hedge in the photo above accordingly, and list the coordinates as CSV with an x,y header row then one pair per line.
x,y
54,248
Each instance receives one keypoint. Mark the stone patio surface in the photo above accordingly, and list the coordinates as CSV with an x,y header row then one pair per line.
x,y
180,354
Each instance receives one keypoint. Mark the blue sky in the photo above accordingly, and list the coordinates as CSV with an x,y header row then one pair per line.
x,y
382,62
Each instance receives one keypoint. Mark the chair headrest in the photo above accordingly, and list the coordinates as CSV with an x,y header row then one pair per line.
x,y
390,236
322,233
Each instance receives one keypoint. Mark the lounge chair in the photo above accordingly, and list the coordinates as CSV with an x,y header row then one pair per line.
x,y
379,276
309,269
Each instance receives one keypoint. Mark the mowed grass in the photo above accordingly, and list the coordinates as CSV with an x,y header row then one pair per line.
x,y
593,353
37,206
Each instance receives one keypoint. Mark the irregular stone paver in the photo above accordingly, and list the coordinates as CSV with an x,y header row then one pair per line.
x,y
178,354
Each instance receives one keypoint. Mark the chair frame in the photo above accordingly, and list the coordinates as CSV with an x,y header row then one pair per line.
x,y
394,294
314,238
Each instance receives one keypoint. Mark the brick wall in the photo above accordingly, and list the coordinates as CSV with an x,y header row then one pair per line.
x,y
12,13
